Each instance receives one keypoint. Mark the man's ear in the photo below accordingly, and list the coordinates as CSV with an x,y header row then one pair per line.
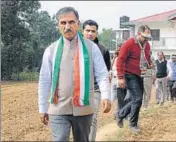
x,y
97,32
79,23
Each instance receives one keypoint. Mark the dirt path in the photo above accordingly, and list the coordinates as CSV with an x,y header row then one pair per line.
x,y
157,124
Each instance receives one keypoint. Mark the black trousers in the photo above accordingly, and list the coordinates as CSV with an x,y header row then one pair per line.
x,y
172,91
121,94
135,87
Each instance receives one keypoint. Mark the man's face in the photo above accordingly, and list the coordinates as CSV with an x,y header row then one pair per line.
x,y
68,25
160,56
90,32
144,36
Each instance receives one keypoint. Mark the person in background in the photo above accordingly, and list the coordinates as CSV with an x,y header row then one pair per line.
x,y
149,79
122,95
174,90
114,81
161,78
90,31
68,69
171,67
132,64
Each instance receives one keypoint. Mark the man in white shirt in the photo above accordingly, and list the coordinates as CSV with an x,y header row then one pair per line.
x,y
68,69
161,78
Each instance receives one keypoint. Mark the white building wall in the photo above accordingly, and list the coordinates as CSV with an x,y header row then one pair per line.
x,y
167,32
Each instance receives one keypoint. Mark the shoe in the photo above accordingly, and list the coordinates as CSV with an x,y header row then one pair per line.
x,y
135,129
157,103
120,122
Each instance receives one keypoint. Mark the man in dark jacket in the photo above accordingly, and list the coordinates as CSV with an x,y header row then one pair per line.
x,y
90,31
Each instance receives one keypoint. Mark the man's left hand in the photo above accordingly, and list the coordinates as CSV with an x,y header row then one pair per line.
x,y
106,104
151,66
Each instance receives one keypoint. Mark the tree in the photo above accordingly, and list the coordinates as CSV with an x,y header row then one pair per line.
x,y
43,32
106,38
26,32
15,33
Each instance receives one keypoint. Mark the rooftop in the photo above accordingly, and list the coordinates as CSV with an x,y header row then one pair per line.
x,y
168,15
157,17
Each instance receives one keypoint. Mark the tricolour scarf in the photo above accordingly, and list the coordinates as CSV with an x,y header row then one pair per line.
x,y
81,73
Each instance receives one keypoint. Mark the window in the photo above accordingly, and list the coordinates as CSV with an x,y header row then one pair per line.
x,y
155,34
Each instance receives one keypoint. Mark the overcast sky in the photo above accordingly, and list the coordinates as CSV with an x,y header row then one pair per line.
x,y
107,13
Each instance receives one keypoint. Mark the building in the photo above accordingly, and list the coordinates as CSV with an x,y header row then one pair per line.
x,y
163,29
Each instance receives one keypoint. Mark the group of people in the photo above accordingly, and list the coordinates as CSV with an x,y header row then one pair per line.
x,y
165,78
76,76
161,74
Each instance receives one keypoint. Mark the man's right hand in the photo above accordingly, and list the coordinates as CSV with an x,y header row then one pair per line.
x,y
106,105
44,117
121,83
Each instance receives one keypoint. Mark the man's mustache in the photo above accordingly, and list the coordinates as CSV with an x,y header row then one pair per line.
x,y
68,30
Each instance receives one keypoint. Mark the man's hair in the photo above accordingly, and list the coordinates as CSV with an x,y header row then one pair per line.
x,y
143,28
118,49
162,54
119,45
91,23
66,10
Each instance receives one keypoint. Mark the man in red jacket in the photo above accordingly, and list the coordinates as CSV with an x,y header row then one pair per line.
x,y
132,64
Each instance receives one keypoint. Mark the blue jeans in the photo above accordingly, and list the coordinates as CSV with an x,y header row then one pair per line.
x,y
61,125
135,87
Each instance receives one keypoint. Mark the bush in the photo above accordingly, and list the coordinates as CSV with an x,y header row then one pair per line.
x,y
29,76
26,76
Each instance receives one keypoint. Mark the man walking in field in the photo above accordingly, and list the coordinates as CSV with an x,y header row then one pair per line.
x,y
68,69
90,31
132,64
171,67
149,80
161,78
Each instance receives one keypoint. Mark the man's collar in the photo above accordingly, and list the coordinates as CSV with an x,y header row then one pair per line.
x,y
142,46
161,61
135,40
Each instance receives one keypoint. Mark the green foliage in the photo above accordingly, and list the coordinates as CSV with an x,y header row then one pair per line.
x,y
25,33
25,76
106,37
29,76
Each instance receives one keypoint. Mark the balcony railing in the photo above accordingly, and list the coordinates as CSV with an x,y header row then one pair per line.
x,y
164,43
